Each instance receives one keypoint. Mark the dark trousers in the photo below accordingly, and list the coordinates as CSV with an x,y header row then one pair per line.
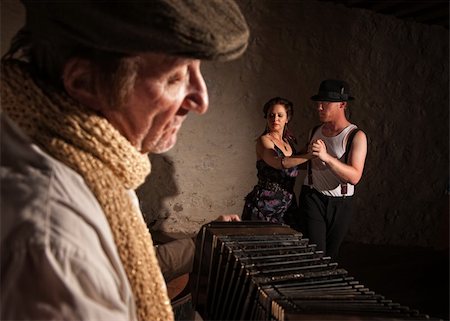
x,y
324,220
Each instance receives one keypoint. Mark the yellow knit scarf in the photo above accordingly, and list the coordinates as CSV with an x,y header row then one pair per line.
x,y
110,166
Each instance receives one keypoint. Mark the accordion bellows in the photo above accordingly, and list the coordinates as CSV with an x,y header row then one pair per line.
x,y
265,271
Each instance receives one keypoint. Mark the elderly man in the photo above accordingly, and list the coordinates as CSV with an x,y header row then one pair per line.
x,y
88,89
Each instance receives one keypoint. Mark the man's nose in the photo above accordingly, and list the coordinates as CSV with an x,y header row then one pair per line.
x,y
197,97
319,106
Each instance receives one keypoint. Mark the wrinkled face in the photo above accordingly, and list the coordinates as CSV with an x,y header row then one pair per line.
x,y
165,90
277,118
328,110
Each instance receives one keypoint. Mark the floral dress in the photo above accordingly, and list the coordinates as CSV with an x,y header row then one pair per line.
x,y
273,196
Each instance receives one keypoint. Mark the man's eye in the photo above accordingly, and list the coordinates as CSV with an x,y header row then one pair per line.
x,y
174,79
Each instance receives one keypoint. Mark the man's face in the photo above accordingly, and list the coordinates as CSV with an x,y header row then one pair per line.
x,y
328,110
165,90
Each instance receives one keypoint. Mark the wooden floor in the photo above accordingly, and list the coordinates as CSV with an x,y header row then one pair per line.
x,y
413,277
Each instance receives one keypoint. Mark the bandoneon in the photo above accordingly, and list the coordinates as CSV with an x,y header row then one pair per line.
x,y
264,271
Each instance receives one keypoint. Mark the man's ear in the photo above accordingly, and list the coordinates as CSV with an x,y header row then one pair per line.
x,y
79,82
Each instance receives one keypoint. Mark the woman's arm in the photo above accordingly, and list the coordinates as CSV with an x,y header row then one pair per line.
x,y
265,150
295,160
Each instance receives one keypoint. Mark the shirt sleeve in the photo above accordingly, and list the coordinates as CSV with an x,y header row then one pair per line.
x,y
176,257
39,282
59,260
61,266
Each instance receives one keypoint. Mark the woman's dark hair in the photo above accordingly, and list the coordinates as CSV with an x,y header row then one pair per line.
x,y
289,107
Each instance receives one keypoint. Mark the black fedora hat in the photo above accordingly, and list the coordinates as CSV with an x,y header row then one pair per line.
x,y
333,90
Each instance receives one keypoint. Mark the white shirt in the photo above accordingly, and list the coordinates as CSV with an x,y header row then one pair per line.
x,y
58,256
324,180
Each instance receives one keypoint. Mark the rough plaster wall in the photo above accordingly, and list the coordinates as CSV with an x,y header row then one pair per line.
x,y
398,72
12,19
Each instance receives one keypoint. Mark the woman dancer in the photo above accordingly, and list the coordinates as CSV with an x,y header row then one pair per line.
x,y
273,198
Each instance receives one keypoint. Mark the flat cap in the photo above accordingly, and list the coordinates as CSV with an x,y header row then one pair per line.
x,y
203,29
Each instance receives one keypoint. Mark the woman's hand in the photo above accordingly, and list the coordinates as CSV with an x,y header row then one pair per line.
x,y
229,218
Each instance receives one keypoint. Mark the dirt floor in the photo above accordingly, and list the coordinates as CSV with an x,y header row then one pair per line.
x,y
414,277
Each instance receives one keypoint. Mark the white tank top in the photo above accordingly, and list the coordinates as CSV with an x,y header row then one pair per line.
x,y
324,180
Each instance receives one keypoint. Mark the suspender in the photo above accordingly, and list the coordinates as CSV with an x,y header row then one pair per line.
x,y
308,164
350,137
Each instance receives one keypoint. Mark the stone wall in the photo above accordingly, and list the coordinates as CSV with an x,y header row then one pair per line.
x,y
398,72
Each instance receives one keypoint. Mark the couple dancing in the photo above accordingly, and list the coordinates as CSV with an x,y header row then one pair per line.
x,y
335,159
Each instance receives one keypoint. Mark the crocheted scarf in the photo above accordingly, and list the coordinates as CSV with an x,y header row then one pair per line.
x,y
110,166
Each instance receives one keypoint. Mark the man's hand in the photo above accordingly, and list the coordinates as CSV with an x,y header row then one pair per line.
x,y
319,149
229,218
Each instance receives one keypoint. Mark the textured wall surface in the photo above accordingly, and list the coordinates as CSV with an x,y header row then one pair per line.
x,y
398,72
